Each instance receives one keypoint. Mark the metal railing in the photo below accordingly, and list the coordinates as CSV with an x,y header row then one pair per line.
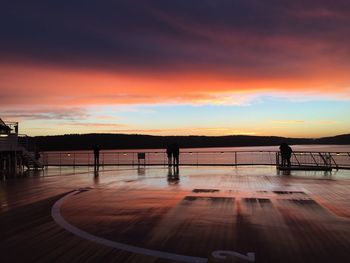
x,y
23,149
25,141
13,127
8,142
315,159
14,141
219,158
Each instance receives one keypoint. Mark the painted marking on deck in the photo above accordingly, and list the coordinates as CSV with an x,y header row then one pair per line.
x,y
57,216
223,254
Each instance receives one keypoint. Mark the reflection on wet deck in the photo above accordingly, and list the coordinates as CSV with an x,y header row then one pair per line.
x,y
301,217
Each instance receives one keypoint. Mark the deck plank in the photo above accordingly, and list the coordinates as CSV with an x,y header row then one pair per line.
x,y
279,218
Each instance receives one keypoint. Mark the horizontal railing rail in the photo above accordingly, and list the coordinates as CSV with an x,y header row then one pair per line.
x,y
8,142
232,158
13,127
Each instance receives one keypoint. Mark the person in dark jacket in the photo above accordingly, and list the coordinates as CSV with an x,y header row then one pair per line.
x,y
286,154
175,154
169,153
96,157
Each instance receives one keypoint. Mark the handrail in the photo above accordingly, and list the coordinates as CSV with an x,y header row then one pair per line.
x,y
13,126
233,158
189,152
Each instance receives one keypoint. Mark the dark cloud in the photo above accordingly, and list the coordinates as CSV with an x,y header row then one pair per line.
x,y
264,37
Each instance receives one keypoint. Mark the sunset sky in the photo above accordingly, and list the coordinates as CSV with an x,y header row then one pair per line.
x,y
179,67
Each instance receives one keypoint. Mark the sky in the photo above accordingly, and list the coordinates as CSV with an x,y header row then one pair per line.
x,y
184,67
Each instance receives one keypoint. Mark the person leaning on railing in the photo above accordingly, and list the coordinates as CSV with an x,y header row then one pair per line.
x,y
286,154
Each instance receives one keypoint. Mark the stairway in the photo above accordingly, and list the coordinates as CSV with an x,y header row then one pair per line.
x,y
29,159
27,149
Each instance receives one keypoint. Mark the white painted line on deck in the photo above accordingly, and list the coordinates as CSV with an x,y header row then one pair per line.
x,y
57,216
223,254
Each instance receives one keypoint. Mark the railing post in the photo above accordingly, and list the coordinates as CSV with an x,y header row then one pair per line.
x,y
325,159
296,158
328,160
235,158
336,165
314,158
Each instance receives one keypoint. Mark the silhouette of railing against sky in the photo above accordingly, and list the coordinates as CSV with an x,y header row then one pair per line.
x,y
200,158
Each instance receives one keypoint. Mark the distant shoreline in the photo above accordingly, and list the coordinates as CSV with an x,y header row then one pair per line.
x,y
129,142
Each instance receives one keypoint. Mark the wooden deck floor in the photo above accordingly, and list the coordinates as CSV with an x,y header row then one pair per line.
x,y
300,217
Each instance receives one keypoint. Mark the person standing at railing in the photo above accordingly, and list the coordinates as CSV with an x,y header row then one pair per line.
x,y
96,157
175,153
286,154
169,153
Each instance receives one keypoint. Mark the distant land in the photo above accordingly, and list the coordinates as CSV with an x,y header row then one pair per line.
x,y
125,141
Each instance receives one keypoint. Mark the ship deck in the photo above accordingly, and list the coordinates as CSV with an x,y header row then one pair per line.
x,y
194,214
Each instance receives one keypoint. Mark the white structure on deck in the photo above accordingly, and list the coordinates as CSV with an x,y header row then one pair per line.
x,y
15,152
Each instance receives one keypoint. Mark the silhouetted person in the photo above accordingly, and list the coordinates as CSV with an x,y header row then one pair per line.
x,y
286,154
169,152
96,157
175,153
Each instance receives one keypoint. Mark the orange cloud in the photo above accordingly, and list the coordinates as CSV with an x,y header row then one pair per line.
x,y
65,87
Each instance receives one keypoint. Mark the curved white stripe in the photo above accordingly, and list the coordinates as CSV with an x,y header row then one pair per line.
x,y
56,214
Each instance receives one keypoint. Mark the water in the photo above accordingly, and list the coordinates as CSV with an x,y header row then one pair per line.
x,y
200,156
